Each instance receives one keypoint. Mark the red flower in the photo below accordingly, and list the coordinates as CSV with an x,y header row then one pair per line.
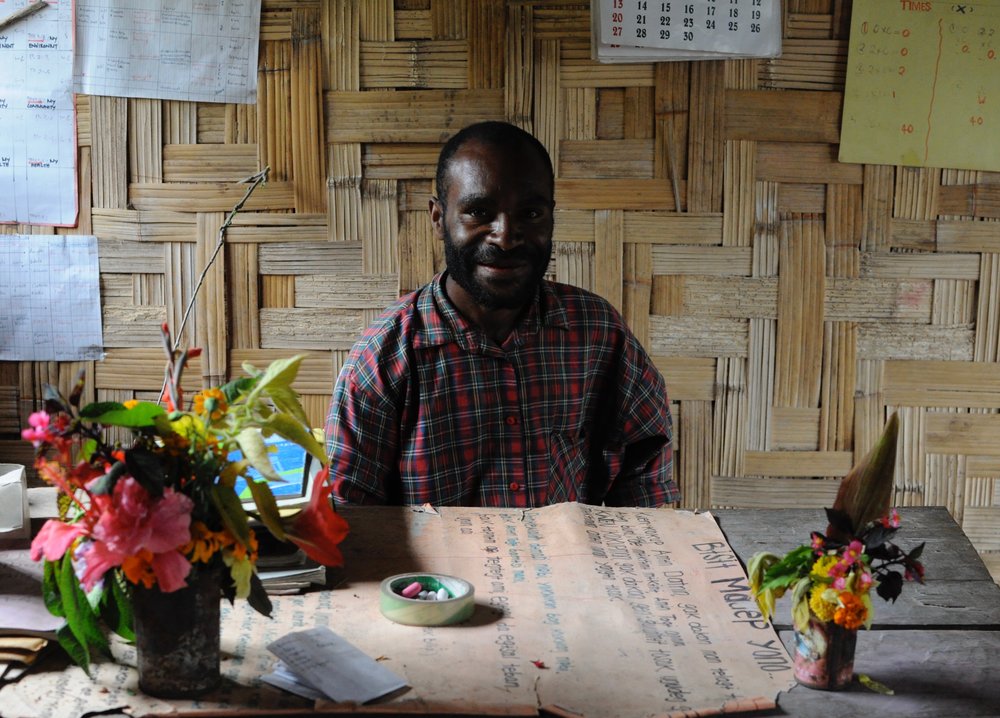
x,y
318,529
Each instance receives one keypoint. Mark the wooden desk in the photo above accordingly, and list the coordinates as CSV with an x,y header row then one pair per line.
x,y
936,646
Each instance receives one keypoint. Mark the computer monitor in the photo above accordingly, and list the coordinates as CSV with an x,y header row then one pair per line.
x,y
293,463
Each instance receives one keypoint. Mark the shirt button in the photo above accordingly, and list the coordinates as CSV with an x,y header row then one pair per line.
x,y
511,420
514,486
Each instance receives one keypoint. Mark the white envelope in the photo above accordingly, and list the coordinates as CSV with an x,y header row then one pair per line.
x,y
15,519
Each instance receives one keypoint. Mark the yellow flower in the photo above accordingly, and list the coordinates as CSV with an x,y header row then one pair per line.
x,y
139,568
821,569
131,403
203,544
210,403
822,608
851,613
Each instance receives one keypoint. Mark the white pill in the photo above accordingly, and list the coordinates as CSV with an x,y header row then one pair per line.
x,y
423,594
442,594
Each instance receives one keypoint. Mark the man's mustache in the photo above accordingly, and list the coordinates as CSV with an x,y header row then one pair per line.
x,y
490,254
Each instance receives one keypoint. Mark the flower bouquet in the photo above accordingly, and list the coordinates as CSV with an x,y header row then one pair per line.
x,y
831,578
154,514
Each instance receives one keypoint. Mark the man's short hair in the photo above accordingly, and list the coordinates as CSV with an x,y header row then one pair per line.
x,y
492,132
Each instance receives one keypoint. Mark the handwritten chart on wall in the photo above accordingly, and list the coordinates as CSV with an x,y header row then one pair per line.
x,y
923,85
37,122
50,303
196,50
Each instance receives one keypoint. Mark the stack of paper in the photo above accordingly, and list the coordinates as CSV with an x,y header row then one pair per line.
x,y
318,664
27,629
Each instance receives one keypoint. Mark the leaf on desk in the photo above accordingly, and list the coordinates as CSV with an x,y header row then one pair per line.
x,y
873,685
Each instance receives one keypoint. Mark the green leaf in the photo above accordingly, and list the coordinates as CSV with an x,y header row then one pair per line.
x,y
795,564
50,589
141,415
258,596
237,387
74,649
251,443
287,401
117,608
267,507
80,617
146,468
800,603
87,449
873,685
94,410
293,430
231,510
281,373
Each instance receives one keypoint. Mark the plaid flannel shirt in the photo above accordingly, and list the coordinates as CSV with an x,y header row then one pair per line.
x,y
428,409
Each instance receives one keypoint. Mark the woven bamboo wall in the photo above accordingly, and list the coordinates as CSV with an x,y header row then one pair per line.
x,y
791,301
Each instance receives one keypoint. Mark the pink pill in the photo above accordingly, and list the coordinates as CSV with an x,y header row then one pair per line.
x,y
412,590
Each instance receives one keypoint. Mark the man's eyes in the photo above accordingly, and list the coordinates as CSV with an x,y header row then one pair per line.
x,y
529,213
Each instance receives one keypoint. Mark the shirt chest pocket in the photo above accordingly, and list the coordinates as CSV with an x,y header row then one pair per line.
x,y
580,471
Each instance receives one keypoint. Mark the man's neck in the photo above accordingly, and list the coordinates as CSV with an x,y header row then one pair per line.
x,y
497,324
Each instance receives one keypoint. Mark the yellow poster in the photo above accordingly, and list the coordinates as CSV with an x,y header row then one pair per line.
x,y
923,84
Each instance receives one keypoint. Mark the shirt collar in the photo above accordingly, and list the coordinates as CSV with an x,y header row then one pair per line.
x,y
442,323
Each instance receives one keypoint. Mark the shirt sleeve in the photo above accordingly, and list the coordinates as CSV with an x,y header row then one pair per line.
x,y
645,476
362,434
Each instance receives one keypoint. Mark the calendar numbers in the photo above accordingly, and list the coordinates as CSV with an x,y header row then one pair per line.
x,y
748,28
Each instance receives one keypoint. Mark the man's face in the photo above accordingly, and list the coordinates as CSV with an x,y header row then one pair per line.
x,y
496,223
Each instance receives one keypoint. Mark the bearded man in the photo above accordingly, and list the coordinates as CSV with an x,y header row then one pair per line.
x,y
490,385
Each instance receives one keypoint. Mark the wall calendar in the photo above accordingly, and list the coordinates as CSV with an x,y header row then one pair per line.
x,y
688,29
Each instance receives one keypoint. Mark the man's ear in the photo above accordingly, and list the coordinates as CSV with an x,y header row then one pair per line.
x,y
436,210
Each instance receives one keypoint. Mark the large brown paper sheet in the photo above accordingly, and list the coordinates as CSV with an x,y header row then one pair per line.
x,y
580,609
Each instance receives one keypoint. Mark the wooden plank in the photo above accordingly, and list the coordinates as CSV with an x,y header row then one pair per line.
x,y
801,283
688,378
966,236
694,452
795,428
147,226
141,369
345,291
881,300
805,116
702,261
705,143
614,194
939,265
943,384
210,197
733,297
606,158
306,97
289,328
952,343
424,64
210,303
804,162
697,336
673,228
413,116
982,525
772,493
970,200
486,28
123,256
608,244
206,163
589,73
798,463
946,433
310,257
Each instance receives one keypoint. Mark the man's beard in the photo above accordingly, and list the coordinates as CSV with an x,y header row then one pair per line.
x,y
462,265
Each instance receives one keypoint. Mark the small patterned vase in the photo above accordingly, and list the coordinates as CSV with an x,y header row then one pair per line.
x,y
824,655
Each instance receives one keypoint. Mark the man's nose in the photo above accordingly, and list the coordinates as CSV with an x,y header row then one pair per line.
x,y
505,232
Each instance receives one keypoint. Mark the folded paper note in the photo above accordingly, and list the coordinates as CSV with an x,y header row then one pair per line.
x,y
323,661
